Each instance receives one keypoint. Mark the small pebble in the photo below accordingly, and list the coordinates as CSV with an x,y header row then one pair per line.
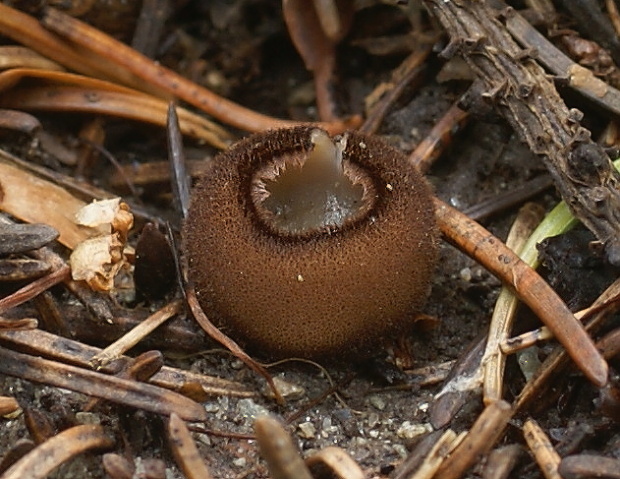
x,y
307,430
87,418
287,389
409,431
401,451
240,462
249,409
373,419
378,402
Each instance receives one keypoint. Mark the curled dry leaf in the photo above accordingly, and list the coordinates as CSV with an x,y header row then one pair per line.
x,y
101,213
98,260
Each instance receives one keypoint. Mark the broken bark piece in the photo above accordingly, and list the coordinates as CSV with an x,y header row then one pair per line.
x,y
18,238
519,90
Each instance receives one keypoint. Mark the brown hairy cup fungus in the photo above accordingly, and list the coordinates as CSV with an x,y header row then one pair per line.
x,y
303,245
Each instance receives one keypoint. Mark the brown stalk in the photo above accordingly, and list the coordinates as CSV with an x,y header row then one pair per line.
x,y
520,90
184,450
100,45
42,460
214,333
489,251
130,393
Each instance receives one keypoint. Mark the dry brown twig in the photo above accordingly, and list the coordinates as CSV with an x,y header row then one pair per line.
x,y
66,350
137,334
530,287
185,451
540,446
315,28
42,460
61,91
100,45
486,430
520,90
228,343
132,393
558,359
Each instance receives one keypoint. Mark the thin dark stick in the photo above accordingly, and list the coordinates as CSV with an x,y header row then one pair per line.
x,y
176,157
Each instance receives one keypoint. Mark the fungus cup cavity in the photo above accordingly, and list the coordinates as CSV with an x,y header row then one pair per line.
x,y
312,191
303,245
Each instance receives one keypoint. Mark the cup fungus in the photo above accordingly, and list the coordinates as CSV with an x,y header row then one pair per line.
x,y
303,245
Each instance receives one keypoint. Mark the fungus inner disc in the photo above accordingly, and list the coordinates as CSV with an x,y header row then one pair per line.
x,y
316,190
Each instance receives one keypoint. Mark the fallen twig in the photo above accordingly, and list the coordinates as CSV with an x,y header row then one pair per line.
x,y
542,449
43,459
529,286
132,393
520,90
127,59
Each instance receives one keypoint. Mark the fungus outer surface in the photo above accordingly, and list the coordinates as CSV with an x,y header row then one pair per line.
x,y
300,245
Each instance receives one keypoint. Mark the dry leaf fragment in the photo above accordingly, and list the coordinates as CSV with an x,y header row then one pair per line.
x,y
98,260
35,200
100,213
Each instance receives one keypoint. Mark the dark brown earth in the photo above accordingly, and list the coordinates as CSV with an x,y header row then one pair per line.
x,y
242,50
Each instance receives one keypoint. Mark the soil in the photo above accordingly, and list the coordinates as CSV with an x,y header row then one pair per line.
x,y
380,411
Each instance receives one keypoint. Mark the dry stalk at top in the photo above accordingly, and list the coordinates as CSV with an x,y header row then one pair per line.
x,y
519,89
